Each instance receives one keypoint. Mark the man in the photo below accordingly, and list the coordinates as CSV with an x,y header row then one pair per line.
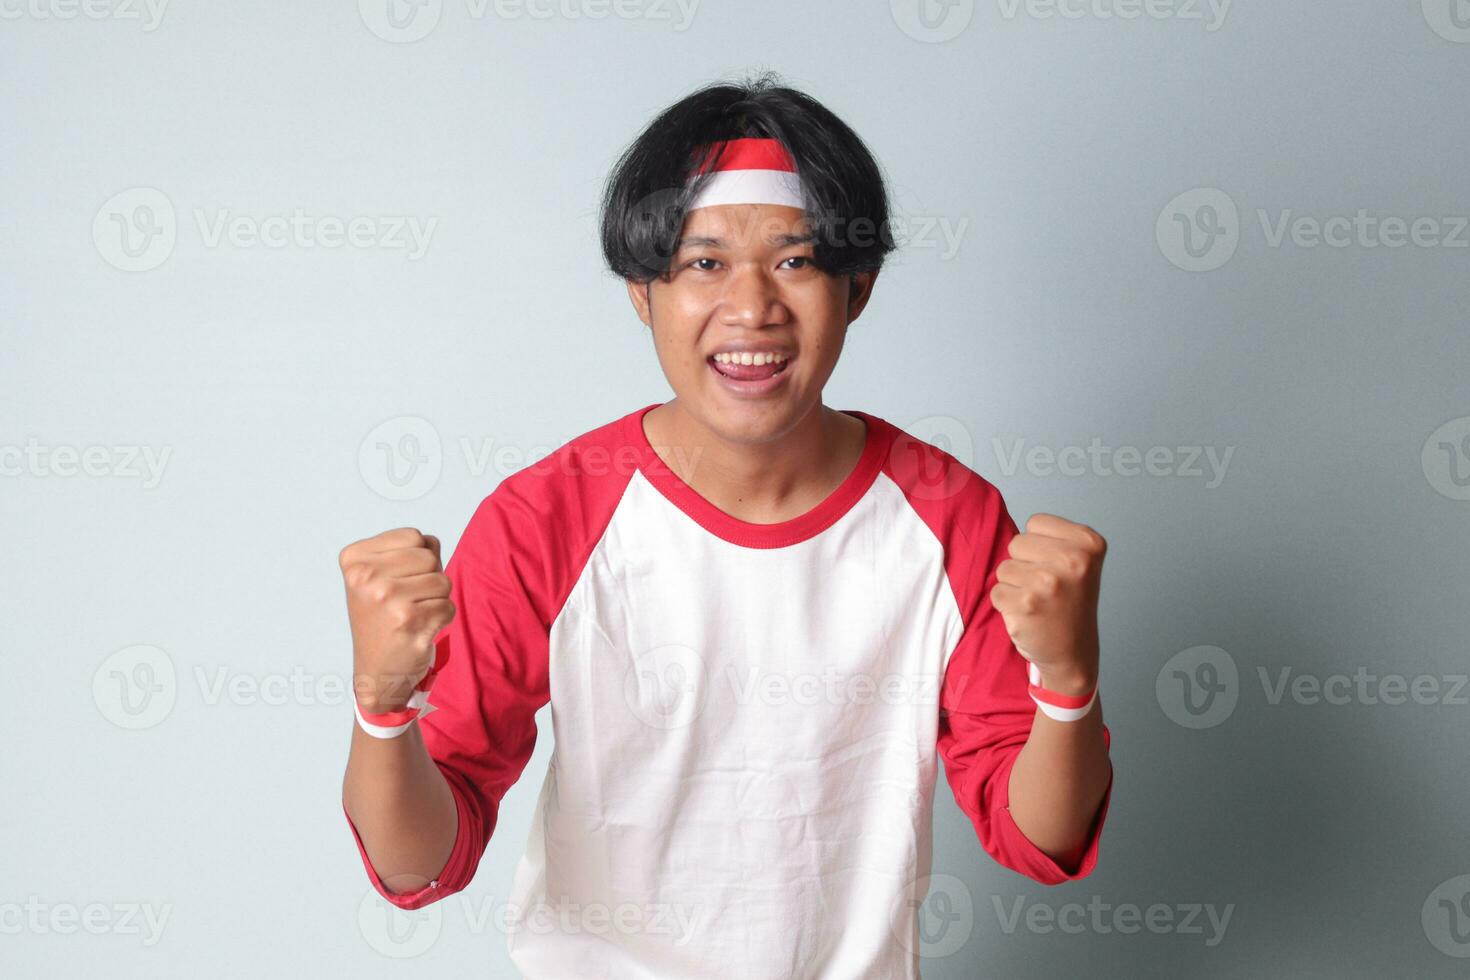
x,y
759,621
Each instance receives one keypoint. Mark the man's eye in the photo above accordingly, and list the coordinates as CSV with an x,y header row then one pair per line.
x,y
713,263
803,261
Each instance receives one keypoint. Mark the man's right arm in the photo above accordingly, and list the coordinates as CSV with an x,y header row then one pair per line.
x,y
401,807
395,795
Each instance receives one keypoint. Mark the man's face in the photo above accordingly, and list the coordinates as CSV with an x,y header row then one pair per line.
x,y
746,327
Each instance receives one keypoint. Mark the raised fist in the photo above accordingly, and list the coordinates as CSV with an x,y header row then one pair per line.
x,y
1047,591
397,602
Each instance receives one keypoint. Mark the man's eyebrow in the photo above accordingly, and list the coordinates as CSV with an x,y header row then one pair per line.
x,y
698,240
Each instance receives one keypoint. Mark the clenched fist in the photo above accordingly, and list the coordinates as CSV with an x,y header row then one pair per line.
x,y
1046,592
397,602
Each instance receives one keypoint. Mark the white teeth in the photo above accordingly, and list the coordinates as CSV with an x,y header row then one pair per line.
x,y
746,357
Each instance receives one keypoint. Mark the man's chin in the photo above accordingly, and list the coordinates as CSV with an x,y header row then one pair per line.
x,y
752,421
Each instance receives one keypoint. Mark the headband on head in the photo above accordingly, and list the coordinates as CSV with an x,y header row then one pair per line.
x,y
749,171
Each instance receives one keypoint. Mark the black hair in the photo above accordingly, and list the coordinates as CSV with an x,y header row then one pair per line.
x,y
648,191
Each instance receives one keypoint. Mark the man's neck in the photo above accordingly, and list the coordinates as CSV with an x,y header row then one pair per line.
x,y
763,483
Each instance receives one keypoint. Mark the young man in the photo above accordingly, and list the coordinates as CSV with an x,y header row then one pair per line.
x,y
759,621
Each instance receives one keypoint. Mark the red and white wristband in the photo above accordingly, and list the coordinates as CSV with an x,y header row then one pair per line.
x,y
391,724
1062,707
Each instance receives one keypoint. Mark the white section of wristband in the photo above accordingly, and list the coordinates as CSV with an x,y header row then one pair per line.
x,y
750,187
379,731
418,700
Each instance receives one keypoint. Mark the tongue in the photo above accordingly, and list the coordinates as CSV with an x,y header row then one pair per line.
x,y
746,372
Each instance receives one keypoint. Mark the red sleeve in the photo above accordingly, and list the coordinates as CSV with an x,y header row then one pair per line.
x,y
482,730
986,713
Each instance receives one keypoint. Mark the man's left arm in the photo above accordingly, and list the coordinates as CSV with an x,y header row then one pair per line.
x,y
1046,591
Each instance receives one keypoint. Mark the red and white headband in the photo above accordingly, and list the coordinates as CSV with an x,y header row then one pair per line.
x,y
748,171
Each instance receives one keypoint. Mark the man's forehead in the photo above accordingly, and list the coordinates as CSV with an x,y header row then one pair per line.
x,y
732,224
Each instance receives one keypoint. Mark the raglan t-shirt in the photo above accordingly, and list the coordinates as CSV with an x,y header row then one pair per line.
x,y
748,718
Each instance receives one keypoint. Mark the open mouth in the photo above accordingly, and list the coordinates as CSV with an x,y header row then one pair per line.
x,y
745,366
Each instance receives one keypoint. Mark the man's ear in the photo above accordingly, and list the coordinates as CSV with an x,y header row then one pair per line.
x,y
859,291
638,293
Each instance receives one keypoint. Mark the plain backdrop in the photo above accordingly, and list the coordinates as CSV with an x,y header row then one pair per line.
x,y
223,357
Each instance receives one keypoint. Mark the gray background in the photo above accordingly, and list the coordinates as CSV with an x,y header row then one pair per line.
x,y
1333,834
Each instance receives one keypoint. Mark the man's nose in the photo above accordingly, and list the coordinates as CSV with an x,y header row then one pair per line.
x,y
752,299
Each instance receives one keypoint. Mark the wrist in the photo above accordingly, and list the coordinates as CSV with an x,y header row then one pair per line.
x,y
371,705
1070,682
1071,704
383,693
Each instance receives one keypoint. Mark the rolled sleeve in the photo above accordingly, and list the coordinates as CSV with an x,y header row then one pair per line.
x,y
463,860
1013,849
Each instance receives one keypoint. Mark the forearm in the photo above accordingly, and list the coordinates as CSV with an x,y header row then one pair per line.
x,y
1058,782
401,806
